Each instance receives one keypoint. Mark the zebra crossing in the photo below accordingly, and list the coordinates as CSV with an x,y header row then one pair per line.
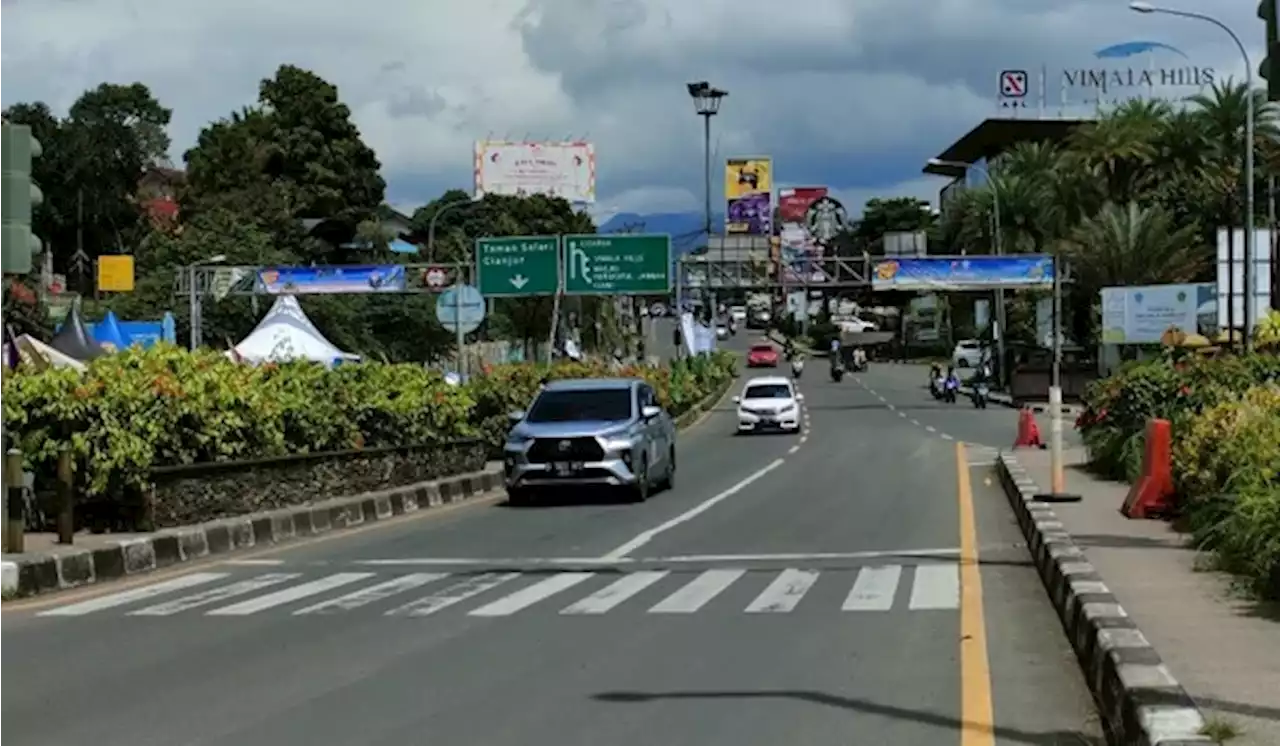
x,y
923,587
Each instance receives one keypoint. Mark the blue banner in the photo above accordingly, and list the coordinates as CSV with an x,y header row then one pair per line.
x,y
963,272
337,278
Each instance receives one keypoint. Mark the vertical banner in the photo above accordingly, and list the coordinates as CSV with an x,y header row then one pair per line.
x,y
748,192
798,250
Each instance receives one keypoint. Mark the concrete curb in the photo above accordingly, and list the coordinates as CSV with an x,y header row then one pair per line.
x,y
36,573
1140,701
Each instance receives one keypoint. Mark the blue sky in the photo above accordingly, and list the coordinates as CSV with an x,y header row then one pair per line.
x,y
854,94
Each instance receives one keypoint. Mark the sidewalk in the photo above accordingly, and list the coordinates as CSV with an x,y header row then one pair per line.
x,y
1224,649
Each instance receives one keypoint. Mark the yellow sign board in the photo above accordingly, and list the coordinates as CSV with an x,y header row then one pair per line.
x,y
745,176
115,273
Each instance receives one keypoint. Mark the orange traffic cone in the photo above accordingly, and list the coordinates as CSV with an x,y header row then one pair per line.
x,y
1028,432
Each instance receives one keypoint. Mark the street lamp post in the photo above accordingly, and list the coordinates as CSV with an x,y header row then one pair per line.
x,y
1145,7
997,246
706,101
460,338
193,297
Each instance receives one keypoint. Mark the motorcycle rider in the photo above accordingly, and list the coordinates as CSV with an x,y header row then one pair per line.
x,y
935,377
797,366
859,358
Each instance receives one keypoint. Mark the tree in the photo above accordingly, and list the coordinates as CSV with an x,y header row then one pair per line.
x,y
91,165
295,155
881,216
1135,197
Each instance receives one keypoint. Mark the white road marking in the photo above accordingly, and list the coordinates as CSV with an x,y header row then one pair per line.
x,y
893,408
793,449
498,561
255,562
214,595
800,557
373,593
454,594
903,415
526,597
947,437
874,589
587,562
616,592
697,592
915,422
931,428
688,515
137,594
937,586
289,595
784,592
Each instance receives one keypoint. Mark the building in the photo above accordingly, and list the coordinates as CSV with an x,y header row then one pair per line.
x,y
965,161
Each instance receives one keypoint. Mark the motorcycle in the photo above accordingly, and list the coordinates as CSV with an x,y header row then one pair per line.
x,y
980,393
837,373
797,367
937,386
949,389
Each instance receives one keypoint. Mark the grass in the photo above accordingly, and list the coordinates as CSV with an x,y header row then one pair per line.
x,y
1219,730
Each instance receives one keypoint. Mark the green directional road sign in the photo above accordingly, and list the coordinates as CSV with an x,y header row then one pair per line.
x,y
629,264
515,266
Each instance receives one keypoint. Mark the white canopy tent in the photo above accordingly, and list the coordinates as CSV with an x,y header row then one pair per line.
x,y
286,333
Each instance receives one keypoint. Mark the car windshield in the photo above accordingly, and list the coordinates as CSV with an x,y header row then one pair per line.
x,y
768,391
583,405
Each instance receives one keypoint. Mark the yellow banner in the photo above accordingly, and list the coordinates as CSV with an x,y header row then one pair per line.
x,y
743,176
115,273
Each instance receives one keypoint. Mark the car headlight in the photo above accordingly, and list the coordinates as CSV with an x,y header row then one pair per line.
x,y
788,408
619,444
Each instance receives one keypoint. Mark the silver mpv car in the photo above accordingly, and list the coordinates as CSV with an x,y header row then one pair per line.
x,y
601,432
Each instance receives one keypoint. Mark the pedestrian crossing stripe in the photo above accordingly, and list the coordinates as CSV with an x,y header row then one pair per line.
x,y
933,586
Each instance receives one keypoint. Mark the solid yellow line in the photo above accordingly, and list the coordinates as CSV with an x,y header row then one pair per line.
x,y
976,713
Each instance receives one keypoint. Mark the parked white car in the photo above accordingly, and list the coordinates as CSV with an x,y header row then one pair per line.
x,y
769,403
970,353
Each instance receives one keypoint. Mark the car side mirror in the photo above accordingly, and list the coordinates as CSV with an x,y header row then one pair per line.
x,y
799,397
737,400
516,417
650,412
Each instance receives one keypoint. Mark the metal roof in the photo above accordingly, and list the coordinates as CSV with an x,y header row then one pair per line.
x,y
994,136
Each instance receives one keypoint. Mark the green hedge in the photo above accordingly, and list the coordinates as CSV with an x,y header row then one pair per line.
x,y
141,409
1225,414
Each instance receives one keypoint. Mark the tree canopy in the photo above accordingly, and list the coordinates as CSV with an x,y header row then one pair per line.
x,y
1135,197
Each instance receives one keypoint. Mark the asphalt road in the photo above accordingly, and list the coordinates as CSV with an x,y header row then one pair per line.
x,y
791,589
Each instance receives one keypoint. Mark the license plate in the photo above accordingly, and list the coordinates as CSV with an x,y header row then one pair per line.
x,y
566,468
769,420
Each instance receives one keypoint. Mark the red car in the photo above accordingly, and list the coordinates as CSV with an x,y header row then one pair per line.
x,y
762,356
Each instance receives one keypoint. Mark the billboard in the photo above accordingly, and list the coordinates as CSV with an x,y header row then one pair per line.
x,y
982,272
1142,314
748,192
798,249
556,169
336,278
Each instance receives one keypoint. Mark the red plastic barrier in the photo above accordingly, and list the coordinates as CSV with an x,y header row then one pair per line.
x,y
1028,431
1152,494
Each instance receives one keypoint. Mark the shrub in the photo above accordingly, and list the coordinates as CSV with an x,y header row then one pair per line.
x,y
1118,408
141,409
1227,466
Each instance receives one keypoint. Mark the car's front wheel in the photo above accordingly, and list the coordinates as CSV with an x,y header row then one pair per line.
x,y
519,496
639,492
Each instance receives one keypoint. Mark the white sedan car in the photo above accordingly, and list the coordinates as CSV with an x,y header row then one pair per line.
x,y
769,403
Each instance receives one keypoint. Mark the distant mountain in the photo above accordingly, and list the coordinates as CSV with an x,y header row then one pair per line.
x,y
685,228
